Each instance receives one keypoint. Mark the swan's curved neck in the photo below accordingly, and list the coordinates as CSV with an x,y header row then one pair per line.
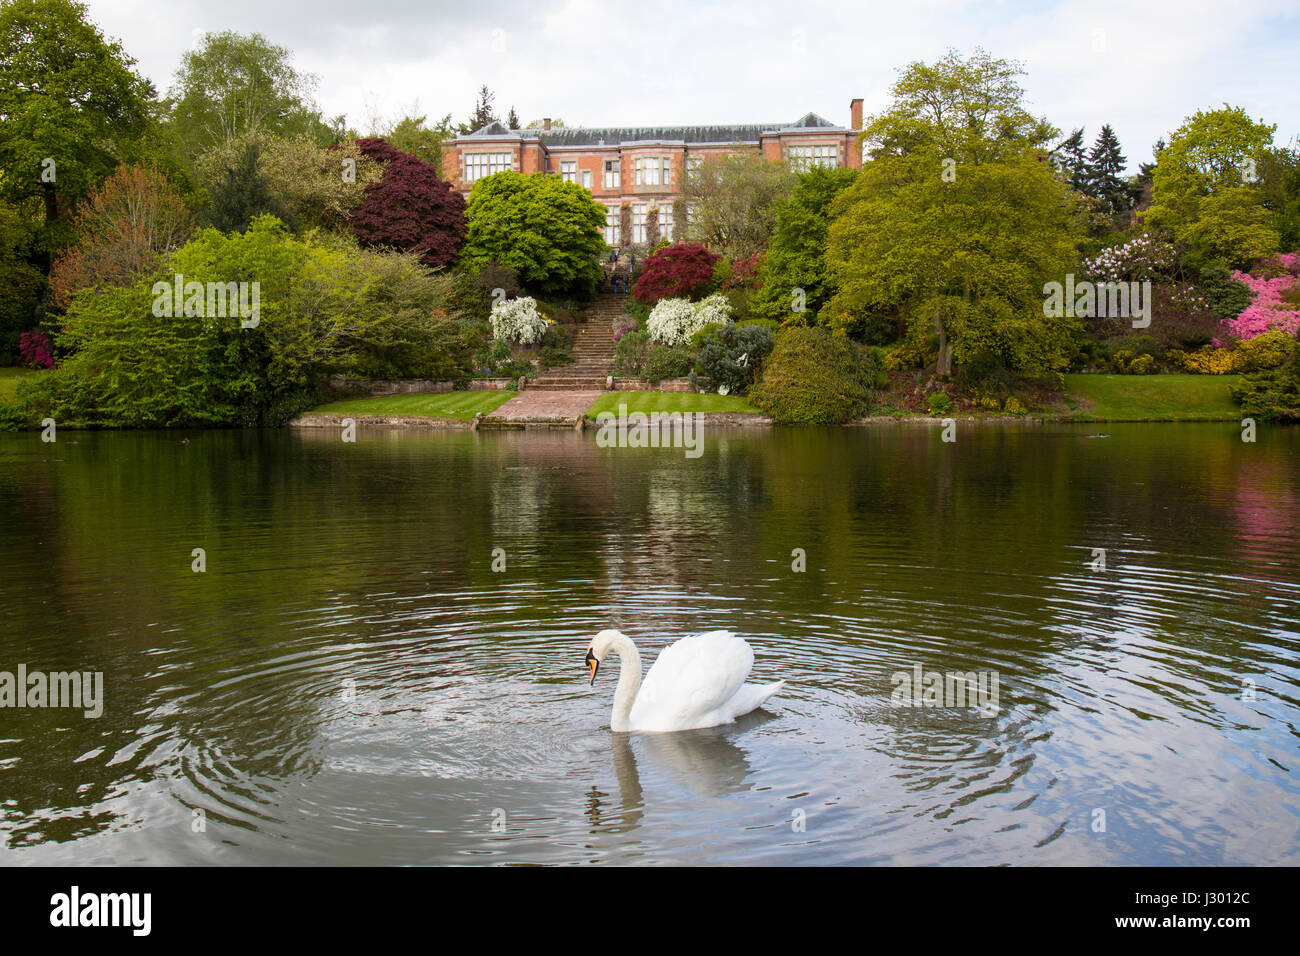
x,y
629,682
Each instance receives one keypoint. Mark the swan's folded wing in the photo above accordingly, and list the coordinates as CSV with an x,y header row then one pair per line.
x,y
691,678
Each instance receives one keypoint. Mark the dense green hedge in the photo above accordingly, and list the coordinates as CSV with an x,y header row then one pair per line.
x,y
815,378
668,361
135,361
1272,395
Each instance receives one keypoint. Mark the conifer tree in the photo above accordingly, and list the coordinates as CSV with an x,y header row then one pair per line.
x,y
1071,160
1105,171
483,112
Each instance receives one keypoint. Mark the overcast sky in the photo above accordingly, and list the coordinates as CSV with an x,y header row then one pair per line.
x,y
1140,66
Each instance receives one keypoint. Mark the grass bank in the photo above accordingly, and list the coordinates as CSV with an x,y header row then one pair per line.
x,y
1149,398
461,405
671,402
10,376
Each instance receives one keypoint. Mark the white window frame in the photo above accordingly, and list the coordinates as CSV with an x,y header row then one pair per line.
x,y
612,214
647,170
804,157
668,170
613,174
569,170
586,179
639,210
478,165
666,221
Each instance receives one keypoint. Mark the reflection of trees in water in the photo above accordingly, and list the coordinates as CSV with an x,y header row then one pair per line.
x,y
518,501
677,519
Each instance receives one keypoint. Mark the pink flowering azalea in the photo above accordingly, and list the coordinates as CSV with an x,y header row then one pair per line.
x,y
1268,311
36,348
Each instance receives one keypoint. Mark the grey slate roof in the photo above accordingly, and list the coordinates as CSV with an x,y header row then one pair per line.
x,y
613,135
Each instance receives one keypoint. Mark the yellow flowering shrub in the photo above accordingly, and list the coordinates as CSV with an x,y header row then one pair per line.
x,y
1265,351
1211,361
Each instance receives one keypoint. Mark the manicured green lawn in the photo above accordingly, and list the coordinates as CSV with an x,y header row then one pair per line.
x,y
10,377
1170,398
462,405
668,402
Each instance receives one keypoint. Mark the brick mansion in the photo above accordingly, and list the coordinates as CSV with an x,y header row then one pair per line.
x,y
644,167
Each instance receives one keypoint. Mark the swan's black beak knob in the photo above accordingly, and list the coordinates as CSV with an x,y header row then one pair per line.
x,y
594,664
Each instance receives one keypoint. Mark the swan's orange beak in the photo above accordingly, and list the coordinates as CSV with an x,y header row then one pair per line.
x,y
594,664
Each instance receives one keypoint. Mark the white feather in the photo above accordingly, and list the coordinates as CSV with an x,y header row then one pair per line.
x,y
695,682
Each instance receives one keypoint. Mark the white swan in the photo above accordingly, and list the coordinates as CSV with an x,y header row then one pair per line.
x,y
695,682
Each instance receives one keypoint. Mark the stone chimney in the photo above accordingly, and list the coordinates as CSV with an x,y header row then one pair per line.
x,y
546,120
855,113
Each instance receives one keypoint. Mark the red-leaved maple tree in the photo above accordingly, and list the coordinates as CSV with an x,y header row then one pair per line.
x,y
409,208
681,270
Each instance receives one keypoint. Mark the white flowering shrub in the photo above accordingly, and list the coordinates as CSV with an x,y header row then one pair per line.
x,y
716,308
1142,258
517,320
674,321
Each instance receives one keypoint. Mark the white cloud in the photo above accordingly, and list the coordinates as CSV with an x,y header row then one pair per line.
x,y
731,62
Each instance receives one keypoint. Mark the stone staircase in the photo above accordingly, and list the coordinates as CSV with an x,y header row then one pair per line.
x,y
593,351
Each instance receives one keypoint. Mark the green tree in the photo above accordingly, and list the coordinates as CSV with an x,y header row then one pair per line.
x,y
411,135
483,112
293,177
22,285
234,84
958,221
796,258
549,231
241,192
72,105
1104,173
321,306
969,107
733,202
1279,178
1141,184
814,378
1215,155
1072,162
127,222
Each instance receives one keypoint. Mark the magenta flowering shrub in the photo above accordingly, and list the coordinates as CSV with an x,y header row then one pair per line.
x,y
36,349
1269,310
623,324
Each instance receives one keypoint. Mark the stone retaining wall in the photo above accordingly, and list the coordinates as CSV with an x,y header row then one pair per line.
x,y
641,385
412,386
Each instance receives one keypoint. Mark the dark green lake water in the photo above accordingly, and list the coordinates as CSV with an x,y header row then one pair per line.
x,y
349,681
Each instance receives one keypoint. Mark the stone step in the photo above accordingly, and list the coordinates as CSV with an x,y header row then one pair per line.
x,y
590,385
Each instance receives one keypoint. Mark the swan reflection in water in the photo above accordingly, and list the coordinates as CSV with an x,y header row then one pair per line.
x,y
705,762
